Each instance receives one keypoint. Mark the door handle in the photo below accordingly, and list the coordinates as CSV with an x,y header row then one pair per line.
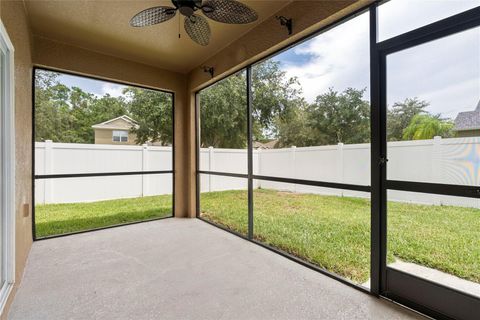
x,y
383,161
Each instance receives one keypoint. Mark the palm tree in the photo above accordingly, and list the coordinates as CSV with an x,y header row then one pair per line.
x,y
427,126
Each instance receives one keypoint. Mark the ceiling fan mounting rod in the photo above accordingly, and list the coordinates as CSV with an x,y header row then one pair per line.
x,y
188,7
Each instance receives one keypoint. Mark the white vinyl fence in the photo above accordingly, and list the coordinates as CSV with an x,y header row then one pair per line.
x,y
450,161
68,158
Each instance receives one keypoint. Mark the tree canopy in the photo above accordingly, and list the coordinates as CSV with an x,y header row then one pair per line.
x,y
153,112
223,113
340,117
223,106
401,114
409,120
280,113
427,126
64,114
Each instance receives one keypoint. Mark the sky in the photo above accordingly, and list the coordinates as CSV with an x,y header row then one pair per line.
x,y
97,87
446,73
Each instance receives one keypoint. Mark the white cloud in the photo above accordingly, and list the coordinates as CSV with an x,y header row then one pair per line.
x,y
445,72
112,89
339,59
398,16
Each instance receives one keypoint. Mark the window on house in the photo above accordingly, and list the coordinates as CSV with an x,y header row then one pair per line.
x,y
120,136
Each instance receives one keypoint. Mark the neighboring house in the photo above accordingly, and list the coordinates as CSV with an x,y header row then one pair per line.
x,y
115,131
265,145
467,124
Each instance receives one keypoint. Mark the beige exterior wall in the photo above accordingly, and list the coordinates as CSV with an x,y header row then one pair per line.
x,y
14,19
120,124
104,136
468,133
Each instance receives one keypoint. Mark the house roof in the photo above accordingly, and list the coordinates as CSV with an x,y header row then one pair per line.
x,y
122,123
267,145
469,120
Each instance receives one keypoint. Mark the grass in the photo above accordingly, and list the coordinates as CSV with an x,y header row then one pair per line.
x,y
331,232
334,232
53,219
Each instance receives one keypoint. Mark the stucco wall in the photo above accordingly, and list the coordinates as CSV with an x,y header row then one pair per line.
x,y
14,19
65,57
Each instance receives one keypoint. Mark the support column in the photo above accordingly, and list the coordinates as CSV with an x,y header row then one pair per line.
x,y
259,167
145,178
293,164
211,165
436,174
340,171
48,168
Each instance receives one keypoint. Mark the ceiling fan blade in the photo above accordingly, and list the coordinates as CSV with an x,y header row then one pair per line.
x,y
152,16
198,29
229,11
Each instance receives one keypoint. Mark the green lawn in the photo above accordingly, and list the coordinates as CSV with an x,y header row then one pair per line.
x,y
331,232
52,219
334,232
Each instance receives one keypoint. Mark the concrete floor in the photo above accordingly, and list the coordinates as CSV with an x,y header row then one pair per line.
x,y
180,269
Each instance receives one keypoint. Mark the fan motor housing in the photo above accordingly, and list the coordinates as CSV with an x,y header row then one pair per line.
x,y
187,7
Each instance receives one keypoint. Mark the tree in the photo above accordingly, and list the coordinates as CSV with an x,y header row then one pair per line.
x,y
223,113
223,106
79,121
293,130
427,126
339,117
401,114
274,96
64,114
153,112
51,106
95,110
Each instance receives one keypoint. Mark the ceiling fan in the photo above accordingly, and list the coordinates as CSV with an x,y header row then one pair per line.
x,y
196,26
